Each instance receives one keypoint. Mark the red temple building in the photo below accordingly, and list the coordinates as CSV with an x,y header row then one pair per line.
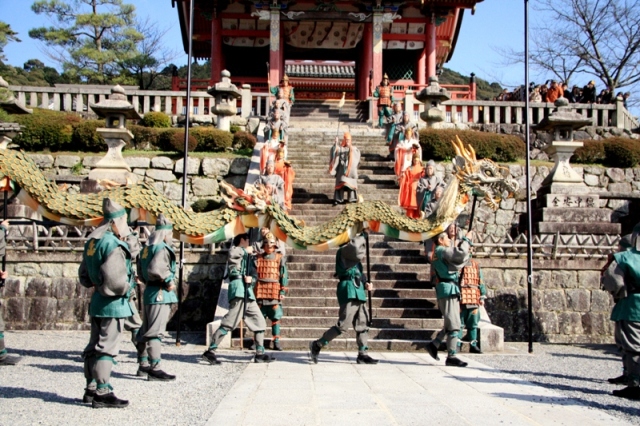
x,y
324,47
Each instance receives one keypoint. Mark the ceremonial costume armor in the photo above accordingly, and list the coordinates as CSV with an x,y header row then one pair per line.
x,y
472,292
384,93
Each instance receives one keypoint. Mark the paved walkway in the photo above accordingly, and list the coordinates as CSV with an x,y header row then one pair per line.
x,y
404,389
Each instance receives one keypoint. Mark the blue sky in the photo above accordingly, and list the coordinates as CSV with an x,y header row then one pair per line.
x,y
496,23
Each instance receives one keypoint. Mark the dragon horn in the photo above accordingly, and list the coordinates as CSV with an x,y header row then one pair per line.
x,y
457,147
468,154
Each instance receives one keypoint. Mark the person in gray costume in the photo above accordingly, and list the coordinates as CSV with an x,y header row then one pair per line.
x,y
157,269
427,185
5,358
352,299
273,183
107,266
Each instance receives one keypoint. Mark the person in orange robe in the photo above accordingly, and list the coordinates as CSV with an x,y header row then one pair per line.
x,y
408,186
286,172
404,152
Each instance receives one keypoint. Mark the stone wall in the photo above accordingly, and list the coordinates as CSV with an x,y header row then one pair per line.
x,y
43,291
163,172
568,303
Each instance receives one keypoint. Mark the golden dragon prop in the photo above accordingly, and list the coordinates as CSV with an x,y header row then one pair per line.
x,y
246,210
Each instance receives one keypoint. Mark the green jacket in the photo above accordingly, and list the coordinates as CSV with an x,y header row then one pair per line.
x,y
96,253
628,308
447,262
352,281
241,264
158,269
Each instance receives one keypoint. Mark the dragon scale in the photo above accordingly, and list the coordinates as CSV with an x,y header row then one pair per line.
x,y
247,210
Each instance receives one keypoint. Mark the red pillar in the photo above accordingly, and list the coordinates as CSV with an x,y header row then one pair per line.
x,y
376,43
366,63
217,61
431,48
275,50
422,65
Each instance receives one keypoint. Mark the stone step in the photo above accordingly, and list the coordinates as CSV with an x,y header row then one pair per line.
x,y
408,323
329,282
332,311
383,302
374,333
376,257
330,293
344,344
376,275
330,267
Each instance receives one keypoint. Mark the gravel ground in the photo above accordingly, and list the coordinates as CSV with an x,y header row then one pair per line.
x,y
576,371
47,386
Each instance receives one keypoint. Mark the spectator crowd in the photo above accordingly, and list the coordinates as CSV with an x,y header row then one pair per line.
x,y
552,90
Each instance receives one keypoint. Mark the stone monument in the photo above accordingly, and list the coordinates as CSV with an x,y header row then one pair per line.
x,y
115,110
226,96
432,96
564,203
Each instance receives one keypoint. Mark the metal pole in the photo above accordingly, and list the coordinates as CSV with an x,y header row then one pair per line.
x,y
528,174
4,217
185,171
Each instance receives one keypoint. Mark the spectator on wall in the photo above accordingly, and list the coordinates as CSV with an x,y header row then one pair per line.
x,y
589,93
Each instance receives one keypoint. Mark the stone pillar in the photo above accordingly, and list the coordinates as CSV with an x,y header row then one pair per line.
x,y
247,101
472,87
217,59
619,114
408,103
275,50
376,42
431,47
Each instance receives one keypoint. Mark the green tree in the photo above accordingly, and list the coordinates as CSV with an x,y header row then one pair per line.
x,y
90,38
6,35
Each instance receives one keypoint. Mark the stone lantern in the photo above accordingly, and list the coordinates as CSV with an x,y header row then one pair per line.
x,y
226,97
565,204
432,96
115,110
562,122
8,102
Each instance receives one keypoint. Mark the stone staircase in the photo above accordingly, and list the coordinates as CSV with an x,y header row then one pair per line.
x,y
404,304
323,110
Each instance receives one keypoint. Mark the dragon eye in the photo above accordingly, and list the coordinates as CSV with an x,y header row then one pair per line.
x,y
489,173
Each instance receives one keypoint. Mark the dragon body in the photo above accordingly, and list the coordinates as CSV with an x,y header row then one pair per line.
x,y
246,210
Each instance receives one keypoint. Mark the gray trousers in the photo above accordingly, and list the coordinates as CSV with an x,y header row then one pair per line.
x,y
155,322
353,313
254,320
628,338
450,308
99,353
352,195
3,349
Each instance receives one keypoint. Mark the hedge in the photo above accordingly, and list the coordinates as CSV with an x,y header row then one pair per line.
x,y
156,119
86,138
45,129
621,152
211,139
591,153
436,144
244,140
173,140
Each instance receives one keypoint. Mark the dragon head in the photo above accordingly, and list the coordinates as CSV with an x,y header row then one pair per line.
x,y
484,177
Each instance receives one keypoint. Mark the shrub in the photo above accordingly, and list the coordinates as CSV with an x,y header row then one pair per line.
x,y
233,128
173,140
156,119
145,137
244,140
45,129
86,138
621,152
212,140
591,153
436,144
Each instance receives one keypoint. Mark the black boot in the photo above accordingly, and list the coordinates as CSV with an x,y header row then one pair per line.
x,y
210,357
108,400
454,361
630,392
365,359
433,351
276,345
314,351
159,375
475,349
88,396
620,380
143,370
10,360
262,358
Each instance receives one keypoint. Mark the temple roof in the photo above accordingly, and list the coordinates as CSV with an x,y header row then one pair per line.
x,y
321,70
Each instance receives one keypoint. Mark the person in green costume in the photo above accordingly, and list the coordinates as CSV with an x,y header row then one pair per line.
x,y
242,274
157,269
384,94
271,286
472,295
448,259
352,299
622,278
5,358
107,266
